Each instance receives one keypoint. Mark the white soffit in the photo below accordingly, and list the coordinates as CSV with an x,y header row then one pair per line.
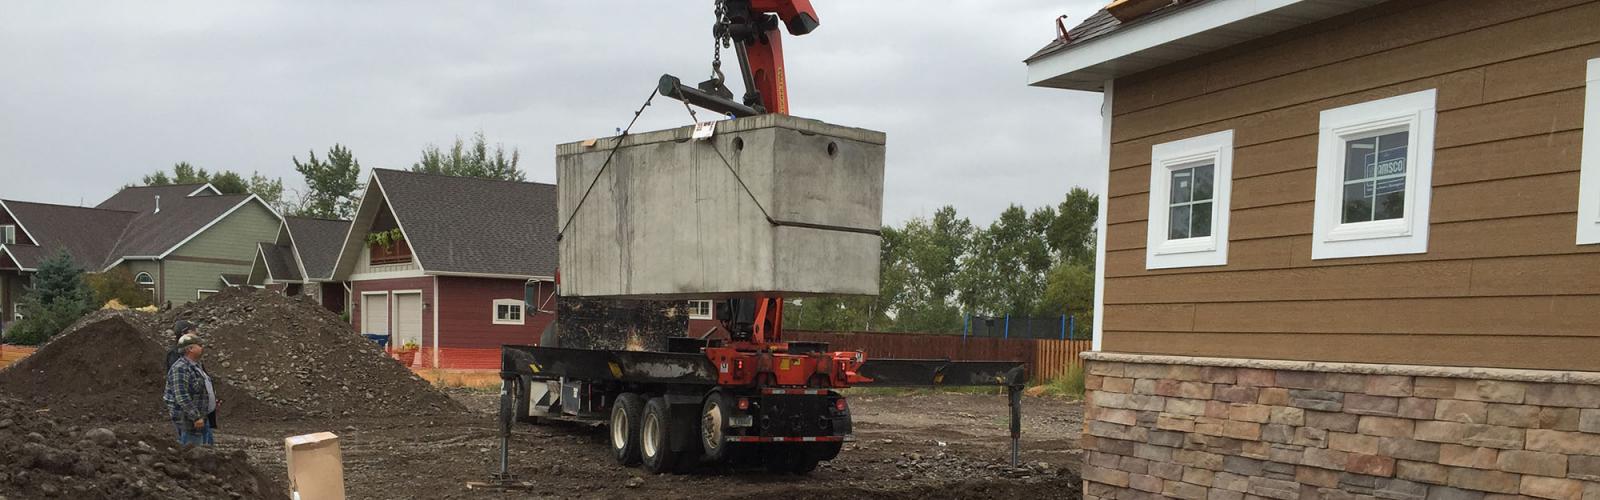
x,y
1165,39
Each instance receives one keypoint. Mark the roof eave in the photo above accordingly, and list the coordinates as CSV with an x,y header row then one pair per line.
x,y
525,277
1156,42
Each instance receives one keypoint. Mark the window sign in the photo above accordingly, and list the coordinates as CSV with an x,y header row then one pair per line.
x,y
1375,178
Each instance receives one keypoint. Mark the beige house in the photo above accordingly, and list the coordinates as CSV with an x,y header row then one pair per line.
x,y
1349,248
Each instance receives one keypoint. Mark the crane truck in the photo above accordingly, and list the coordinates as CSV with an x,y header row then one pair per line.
x,y
754,397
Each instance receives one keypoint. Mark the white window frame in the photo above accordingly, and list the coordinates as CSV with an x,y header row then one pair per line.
x,y
1331,238
201,294
1162,253
8,234
708,307
522,312
1589,178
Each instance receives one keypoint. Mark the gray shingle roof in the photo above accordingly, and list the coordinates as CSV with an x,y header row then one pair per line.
x,y
143,198
152,233
1103,23
318,241
87,233
469,225
280,261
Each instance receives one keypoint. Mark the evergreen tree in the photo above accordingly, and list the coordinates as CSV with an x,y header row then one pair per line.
x,y
57,297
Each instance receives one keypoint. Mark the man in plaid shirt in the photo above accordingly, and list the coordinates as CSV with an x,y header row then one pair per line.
x,y
190,396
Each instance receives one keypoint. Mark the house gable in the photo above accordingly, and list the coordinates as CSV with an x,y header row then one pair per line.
x,y
372,214
250,222
7,218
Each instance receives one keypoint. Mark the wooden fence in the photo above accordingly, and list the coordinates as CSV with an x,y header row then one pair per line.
x,y
1045,358
12,353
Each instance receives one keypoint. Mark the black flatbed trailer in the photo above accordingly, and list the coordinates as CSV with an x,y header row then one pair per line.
x,y
666,409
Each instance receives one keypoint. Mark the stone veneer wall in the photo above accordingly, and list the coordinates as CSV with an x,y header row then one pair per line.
x,y
1220,428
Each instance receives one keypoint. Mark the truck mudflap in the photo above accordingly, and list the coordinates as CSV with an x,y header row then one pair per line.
x,y
598,365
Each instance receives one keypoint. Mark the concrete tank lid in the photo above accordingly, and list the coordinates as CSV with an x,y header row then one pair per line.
x,y
729,126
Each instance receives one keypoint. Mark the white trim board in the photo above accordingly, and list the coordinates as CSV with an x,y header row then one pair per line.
x,y
486,275
1166,38
197,232
1331,237
214,190
7,251
214,222
1589,178
349,237
522,312
1098,328
1214,149
294,249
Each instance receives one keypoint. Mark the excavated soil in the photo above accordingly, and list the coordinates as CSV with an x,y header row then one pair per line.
x,y
301,359
105,368
270,357
42,457
924,446
285,367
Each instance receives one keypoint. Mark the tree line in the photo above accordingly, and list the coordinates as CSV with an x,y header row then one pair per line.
x,y
333,183
936,271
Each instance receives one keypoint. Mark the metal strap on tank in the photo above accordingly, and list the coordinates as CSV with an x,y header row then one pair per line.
x,y
609,155
779,222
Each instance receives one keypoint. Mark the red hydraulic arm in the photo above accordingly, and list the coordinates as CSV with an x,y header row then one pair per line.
x,y
764,52
753,25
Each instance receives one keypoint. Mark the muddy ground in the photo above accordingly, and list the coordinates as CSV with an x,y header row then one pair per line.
x,y
940,445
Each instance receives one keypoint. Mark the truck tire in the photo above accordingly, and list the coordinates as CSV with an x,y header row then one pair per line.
x,y
655,441
714,415
626,415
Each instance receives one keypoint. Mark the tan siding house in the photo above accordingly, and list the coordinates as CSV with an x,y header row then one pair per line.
x,y
1348,204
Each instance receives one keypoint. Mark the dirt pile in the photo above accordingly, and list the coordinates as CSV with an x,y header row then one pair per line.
x,y
41,457
296,356
105,368
270,357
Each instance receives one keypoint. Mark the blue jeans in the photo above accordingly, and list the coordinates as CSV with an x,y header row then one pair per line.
x,y
187,435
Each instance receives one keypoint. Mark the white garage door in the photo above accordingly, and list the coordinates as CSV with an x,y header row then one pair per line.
x,y
407,318
375,314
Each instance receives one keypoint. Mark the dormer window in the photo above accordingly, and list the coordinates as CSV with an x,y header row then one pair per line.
x,y
8,234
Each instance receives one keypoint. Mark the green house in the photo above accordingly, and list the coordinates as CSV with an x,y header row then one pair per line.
x,y
180,242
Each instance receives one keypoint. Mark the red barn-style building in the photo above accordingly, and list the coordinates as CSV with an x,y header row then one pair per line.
x,y
454,266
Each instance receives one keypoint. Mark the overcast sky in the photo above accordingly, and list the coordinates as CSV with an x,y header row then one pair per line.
x,y
92,96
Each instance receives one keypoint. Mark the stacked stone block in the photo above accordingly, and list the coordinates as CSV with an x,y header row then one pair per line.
x,y
1205,428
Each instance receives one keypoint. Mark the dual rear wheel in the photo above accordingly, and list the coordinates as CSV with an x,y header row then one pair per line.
x,y
641,433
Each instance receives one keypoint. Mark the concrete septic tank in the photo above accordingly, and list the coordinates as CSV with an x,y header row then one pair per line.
x,y
668,218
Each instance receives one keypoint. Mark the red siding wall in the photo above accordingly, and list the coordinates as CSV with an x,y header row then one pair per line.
x,y
466,313
424,283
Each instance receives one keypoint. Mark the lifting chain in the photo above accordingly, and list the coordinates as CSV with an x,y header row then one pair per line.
x,y
720,38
